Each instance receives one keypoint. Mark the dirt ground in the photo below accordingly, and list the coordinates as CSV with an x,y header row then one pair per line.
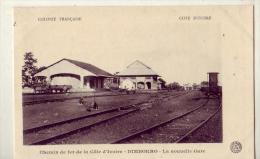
x,y
160,107
150,114
208,133
38,97
49,112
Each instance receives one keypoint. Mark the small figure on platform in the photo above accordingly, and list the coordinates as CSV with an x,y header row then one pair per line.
x,y
89,105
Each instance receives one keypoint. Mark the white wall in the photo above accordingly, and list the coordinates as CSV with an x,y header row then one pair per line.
x,y
75,83
64,67
141,79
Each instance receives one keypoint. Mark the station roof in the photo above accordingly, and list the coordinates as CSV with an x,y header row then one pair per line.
x,y
137,68
89,67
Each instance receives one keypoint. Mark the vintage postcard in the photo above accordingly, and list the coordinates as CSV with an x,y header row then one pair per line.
x,y
134,82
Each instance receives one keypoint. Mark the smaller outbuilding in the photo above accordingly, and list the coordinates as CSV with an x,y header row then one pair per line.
x,y
142,76
187,87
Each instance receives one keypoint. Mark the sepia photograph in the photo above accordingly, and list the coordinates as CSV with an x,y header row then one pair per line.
x,y
133,80
122,77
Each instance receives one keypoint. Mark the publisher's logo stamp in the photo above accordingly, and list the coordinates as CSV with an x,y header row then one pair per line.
x,y
235,147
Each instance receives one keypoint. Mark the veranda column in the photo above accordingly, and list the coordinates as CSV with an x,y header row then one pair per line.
x,y
87,83
81,81
48,79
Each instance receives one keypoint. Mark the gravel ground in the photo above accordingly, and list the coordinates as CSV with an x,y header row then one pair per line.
x,y
179,127
46,113
207,133
39,97
160,109
42,98
66,127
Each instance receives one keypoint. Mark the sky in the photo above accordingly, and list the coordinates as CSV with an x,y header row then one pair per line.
x,y
113,37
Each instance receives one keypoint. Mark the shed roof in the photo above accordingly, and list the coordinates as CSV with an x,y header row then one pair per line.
x,y
89,67
137,68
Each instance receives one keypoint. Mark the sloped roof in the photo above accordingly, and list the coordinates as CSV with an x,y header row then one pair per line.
x,y
161,80
137,68
91,68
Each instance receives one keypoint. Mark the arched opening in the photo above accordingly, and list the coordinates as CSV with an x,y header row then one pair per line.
x,y
65,79
148,84
140,85
65,75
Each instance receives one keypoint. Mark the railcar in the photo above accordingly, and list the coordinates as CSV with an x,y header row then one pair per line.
x,y
52,88
213,89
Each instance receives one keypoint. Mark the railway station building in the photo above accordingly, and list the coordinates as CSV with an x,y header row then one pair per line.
x,y
80,75
141,75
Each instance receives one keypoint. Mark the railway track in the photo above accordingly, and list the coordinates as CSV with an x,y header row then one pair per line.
x,y
47,133
25,103
123,126
174,130
45,126
197,127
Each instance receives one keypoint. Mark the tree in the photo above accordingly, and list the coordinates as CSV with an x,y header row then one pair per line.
x,y
204,83
174,86
194,86
28,69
